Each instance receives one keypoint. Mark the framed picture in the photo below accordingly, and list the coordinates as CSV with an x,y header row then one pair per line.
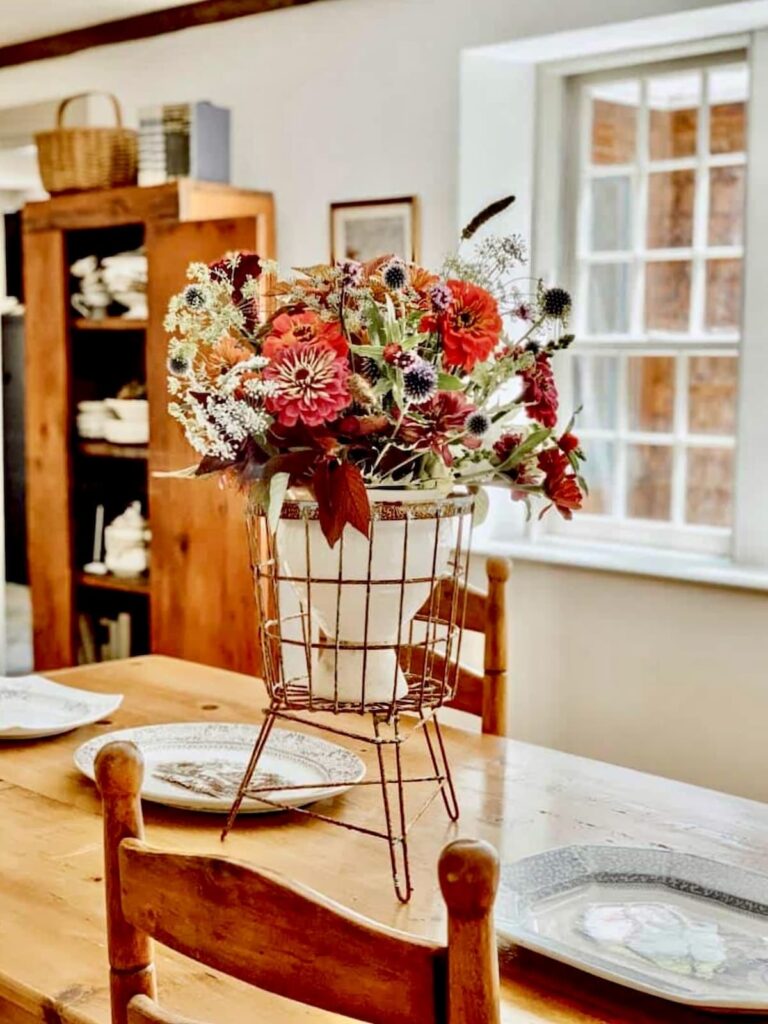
x,y
367,228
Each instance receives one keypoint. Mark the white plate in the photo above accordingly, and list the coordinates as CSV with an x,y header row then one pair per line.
x,y
32,706
198,765
686,928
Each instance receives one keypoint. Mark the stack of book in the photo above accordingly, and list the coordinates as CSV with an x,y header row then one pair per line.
x,y
180,140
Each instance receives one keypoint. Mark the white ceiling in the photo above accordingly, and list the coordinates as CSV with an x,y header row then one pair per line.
x,y
21,20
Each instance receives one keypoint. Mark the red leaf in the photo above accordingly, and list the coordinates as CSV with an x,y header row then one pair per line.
x,y
342,499
298,464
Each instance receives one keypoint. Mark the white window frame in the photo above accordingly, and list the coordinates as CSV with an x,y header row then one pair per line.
x,y
575,178
511,103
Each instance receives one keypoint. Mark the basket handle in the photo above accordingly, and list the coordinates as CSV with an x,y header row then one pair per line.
x,y
84,95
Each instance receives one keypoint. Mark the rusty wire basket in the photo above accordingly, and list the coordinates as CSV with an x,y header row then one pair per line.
x,y
369,628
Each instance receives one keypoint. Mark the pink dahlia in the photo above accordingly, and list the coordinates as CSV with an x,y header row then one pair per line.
x,y
540,391
310,382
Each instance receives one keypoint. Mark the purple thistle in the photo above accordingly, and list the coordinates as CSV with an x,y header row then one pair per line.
x,y
477,424
395,274
351,273
420,381
440,297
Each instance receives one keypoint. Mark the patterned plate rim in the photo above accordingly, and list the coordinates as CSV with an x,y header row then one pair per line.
x,y
347,760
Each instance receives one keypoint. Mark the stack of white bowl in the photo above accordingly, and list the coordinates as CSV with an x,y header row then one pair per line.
x,y
128,422
118,420
91,416
125,275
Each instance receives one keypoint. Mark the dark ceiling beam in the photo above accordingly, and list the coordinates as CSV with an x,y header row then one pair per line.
x,y
139,26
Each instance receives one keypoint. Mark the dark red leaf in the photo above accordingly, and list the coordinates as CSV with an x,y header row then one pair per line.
x,y
299,465
342,499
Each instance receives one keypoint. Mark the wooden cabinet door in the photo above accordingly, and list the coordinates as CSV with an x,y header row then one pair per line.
x,y
49,475
203,607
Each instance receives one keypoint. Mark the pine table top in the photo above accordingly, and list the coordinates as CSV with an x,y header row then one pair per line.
x,y
521,798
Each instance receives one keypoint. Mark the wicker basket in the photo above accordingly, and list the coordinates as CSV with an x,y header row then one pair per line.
x,y
77,159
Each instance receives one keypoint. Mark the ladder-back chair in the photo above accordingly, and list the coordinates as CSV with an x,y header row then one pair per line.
x,y
282,937
479,694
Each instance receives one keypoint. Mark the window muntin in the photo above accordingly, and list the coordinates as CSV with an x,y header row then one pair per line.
x,y
657,263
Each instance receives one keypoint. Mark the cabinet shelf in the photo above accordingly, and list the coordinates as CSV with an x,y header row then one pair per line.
x,y
106,450
108,323
123,584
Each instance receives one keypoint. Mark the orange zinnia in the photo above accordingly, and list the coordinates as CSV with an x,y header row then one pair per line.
x,y
470,329
288,329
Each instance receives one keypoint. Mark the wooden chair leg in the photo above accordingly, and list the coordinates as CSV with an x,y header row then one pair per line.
x,y
119,773
469,877
495,672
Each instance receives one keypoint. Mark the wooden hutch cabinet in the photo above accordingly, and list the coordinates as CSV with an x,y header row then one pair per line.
x,y
197,600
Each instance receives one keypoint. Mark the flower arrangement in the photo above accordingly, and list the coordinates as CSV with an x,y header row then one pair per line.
x,y
374,375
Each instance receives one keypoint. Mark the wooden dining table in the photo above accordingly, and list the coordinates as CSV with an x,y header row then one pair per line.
x,y
521,798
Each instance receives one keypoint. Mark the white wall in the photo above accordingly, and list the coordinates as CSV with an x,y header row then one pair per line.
x,y
359,98
335,100
667,677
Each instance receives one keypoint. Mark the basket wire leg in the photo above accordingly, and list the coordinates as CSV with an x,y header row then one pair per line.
x,y
398,841
258,750
439,758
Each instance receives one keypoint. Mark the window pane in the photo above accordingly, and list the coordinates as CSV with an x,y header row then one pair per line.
x,y
667,295
651,382
595,390
608,311
723,312
728,91
712,388
649,481
670,209
673,102
709,486
611,213
599,473
614,122
726,206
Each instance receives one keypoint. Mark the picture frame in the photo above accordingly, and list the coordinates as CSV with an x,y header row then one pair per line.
x,y
364,228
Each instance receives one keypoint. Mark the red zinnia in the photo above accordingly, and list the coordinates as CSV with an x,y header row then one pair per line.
x,y
290,328
310,383
505,445
540,391
445,416
470,329
560,483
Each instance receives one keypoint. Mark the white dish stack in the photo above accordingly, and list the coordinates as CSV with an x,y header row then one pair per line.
x,y
117,420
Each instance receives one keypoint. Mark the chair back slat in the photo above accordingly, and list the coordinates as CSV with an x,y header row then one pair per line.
x,y
447,601
484,695
279,936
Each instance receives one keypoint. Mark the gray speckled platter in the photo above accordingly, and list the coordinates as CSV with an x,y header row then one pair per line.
x,y
685,928
198,766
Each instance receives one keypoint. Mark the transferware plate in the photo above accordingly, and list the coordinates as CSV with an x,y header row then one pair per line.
x,y
199,766
32,707
686,928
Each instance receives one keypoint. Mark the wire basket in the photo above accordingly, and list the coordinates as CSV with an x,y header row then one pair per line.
x,y
371,627
373,624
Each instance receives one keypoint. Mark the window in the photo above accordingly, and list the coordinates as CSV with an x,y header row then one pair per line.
x,y
655,262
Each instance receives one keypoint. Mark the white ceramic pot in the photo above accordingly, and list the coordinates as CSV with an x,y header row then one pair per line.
x,y
352,614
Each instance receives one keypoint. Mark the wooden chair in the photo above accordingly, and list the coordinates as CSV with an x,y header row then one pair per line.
x,y
282,937
484,695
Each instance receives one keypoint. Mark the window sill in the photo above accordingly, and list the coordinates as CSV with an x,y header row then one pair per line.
x,y
621,558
